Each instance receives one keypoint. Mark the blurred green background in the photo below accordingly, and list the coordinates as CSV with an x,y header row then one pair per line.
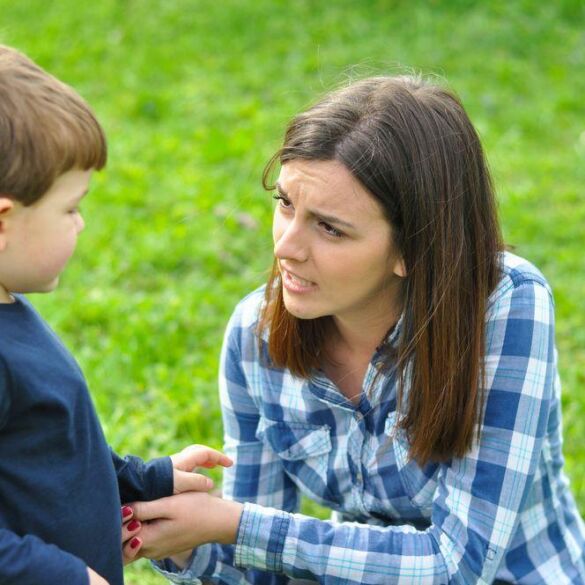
x,y
194,96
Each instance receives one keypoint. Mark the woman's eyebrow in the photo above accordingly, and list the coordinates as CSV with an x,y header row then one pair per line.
x,y
316,213
333,219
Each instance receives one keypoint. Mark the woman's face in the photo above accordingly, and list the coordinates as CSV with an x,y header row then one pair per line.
x,y
333,245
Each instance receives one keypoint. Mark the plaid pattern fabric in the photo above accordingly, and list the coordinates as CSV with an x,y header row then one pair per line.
x,y
504,511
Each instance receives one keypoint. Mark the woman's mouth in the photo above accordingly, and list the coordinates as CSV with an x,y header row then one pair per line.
x,y
296,284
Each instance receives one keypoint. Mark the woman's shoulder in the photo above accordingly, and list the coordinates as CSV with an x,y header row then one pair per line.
x,y
243,323
517,271
519,281
247,311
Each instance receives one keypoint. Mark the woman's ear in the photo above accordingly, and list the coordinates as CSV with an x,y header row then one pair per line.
x,y
399,267
6,204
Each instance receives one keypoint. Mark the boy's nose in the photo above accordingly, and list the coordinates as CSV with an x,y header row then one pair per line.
x,y
80,223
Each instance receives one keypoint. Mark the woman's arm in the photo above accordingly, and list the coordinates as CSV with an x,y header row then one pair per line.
x,y
477,503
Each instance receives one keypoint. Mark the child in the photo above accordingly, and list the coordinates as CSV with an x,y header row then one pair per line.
x,y
60,485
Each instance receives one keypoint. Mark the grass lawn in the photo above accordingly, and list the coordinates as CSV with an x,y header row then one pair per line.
x,y
194,96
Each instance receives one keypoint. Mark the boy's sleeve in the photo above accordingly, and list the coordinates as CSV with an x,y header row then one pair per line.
x,y
139,480
28,560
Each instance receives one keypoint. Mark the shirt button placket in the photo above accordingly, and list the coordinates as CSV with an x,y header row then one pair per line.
x,y
355,443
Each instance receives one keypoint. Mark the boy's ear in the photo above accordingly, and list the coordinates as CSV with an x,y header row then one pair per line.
x,y
6,204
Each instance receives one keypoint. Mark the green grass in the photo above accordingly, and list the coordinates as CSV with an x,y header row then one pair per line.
x,y
194,96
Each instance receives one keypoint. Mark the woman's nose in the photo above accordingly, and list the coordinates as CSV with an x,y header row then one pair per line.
x,y
290,243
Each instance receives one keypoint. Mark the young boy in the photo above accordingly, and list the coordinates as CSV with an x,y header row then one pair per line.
x,y
60,485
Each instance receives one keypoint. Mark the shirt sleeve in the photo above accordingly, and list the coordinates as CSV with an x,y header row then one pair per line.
x,y
143,481
478,499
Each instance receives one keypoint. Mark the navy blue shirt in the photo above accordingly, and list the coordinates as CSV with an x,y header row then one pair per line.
x,y
61,486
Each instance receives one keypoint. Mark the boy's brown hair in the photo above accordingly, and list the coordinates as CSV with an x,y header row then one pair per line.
x,y
46,129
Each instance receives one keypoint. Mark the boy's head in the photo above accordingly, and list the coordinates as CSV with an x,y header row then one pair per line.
x,y
50,141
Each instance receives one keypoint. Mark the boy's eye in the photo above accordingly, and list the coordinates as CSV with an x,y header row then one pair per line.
x,y
284,202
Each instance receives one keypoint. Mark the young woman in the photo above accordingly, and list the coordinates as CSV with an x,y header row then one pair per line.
x,y
399,367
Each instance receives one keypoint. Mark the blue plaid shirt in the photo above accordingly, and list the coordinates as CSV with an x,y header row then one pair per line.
x,y
503,511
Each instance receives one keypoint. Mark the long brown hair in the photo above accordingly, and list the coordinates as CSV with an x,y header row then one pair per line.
x,y
412,146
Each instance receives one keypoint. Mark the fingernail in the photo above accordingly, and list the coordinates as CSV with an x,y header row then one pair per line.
x,y
208,483
126,511
134,543
133,525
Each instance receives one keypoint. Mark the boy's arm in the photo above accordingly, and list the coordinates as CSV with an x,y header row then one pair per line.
x,y
166,476
28,560
140,480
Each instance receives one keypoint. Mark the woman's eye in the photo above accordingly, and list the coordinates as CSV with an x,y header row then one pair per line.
x,y
331,230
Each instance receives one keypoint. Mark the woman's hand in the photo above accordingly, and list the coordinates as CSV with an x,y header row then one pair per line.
x,y
95,579
130,541
171,526
189,459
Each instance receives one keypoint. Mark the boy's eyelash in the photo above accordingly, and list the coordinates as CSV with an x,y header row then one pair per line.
x,y
280,198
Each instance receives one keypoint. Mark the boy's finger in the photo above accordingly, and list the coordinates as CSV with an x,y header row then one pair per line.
x,y
185,481
199,456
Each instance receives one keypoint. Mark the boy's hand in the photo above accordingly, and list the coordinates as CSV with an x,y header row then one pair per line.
x,y
95,579
184,462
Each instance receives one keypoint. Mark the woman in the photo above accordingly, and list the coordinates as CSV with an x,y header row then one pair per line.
x,y
399,367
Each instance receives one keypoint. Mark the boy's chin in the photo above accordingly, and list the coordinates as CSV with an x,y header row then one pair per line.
x,y
39,288
49,287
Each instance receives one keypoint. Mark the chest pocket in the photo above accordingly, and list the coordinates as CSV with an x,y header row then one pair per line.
x,y
304,451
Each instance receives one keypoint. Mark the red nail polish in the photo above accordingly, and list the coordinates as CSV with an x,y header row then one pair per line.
x,y
126,511
133,525
134,542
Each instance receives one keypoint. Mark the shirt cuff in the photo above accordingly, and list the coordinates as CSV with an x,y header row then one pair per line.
x,y
158,476
196,566
261,537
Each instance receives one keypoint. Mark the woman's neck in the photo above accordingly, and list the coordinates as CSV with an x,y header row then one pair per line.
x,y
360,332
361,337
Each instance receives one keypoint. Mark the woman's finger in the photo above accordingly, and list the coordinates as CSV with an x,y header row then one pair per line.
x,y
126,512
131,550
130,529
152,510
